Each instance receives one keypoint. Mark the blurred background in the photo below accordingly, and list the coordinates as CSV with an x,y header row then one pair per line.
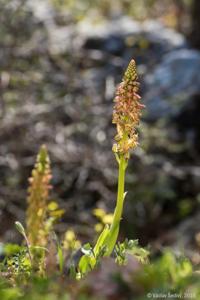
x,y
60,61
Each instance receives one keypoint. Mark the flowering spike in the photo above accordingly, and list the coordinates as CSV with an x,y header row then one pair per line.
x,y
131,72
38,193
127,112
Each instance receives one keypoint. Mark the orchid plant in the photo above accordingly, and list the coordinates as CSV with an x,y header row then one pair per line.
x,y
126,116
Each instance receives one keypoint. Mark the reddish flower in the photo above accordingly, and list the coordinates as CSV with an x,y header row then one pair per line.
x,y
127,112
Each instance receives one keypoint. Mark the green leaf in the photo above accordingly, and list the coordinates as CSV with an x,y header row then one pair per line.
x,y
111,238
12,249
72,271
101,240
85,264
60,258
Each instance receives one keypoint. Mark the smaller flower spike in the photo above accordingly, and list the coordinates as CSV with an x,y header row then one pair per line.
x,y
127,112
38,194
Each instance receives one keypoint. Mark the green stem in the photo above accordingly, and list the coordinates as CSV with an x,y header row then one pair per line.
x,y
114,229
120,193
28,247
109,236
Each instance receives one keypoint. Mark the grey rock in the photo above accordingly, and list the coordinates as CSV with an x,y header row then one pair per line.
x,y
111,37
159,34
117,26
172,83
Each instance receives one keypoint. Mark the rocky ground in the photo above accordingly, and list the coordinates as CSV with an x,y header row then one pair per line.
x,y
57,84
